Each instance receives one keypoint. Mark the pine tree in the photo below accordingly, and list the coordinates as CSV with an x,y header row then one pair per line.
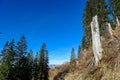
x,y
94,7
30,64
102,13
43,63
7,62
18,64
22,46
87,18
21,67
3,64
5,49
36,67
79,50
46,63
72,58
115,8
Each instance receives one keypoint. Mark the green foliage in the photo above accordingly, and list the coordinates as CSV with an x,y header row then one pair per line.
x,y
5,49
22,64
115,8
30,64
22,46
72,58
35,67
79,50
43,63
94,7
18,64
7,61
46,66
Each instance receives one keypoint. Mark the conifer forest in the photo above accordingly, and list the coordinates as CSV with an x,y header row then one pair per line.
x,y
97,57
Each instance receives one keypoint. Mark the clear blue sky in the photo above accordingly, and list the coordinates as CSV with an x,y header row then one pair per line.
x,y
58,23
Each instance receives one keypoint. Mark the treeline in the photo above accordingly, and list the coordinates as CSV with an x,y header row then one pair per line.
x,y
106,10
18,64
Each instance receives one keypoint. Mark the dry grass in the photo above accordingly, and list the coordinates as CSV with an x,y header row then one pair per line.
x,y
58,71
108,69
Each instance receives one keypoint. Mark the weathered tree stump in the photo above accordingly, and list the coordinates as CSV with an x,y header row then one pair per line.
x,y
109,30
96,43
117,21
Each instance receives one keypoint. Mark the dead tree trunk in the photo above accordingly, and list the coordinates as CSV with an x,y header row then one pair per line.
x,y
96,44
117,21
109,30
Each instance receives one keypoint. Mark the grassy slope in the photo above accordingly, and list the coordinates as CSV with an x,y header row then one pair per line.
x,y
108,69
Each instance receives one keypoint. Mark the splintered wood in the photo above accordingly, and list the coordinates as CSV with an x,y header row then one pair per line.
x,y
96,43
109,30
117,21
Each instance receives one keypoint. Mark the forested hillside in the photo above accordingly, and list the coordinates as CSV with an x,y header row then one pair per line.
x,y
84,67
98,54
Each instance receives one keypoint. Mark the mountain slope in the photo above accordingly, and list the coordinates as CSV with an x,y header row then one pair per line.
x,y
109,66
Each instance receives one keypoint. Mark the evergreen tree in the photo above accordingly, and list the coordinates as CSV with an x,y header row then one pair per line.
x,y
72,58
22,46
115,8
94,7
17,64
43,63
5,49
36,67
79,50
46,63
7,62
30,64
3,64
21,68
102,13
87,18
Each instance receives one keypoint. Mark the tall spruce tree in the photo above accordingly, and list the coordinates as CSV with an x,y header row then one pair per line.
x,y
103,14
5,49
11,60
30,64
79,50
46,63
72,58
115,8
94,7
22,46
7,62
87,18
43,63
3,64
36,67
21,67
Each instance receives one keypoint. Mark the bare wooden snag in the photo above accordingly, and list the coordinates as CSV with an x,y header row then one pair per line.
x,y
109,30
117,21
96,43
